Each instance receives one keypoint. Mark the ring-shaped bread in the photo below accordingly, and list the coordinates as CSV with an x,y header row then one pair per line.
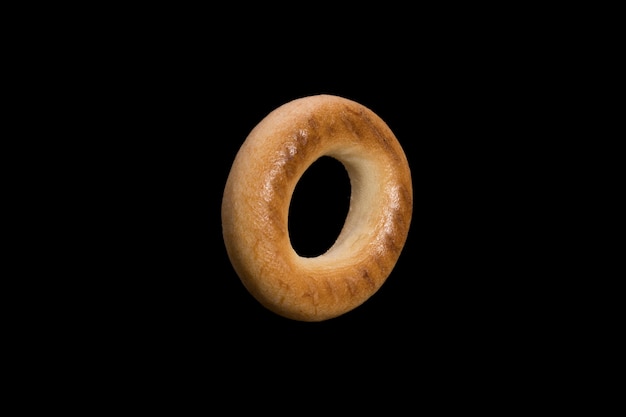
x,y
258,193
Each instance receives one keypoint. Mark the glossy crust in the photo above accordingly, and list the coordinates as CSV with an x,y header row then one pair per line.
x,y
258,192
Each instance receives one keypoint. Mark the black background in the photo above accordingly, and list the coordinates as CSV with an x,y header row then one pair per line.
x,y
467,272
127,122
158,116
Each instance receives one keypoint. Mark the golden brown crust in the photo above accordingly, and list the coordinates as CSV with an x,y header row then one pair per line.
x,y
258,192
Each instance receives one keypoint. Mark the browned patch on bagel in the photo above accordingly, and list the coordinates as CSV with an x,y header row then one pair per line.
x,y
277,186
313,123
352,287
312,293
301,137
372,128
407,198
290,169
381,262
276,220
382,139
294,151
331,288
350,126
366,276
350,116
402,217
390,243
358,112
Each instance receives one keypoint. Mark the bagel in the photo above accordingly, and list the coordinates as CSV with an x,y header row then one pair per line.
x,y
258,192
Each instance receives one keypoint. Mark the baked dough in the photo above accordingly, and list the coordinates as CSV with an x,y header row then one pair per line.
x,y
258,192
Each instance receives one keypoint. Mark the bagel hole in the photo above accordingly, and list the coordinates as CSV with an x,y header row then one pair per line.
x,y
319,207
